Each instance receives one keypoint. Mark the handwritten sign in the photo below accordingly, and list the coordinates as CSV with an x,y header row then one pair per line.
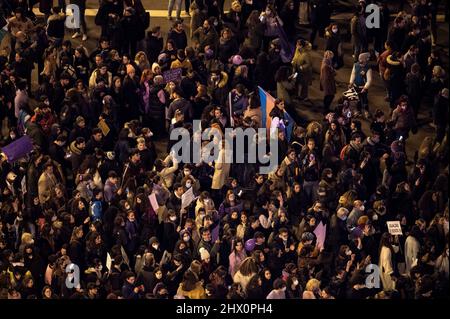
x,y
172,75
394,228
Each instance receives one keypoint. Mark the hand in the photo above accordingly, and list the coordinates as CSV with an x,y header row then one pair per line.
x,y
363,90
417,182
86,220
178,229
136,290
119,191
217,241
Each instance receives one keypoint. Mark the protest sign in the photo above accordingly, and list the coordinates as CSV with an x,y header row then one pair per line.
x,y
187,198
394,228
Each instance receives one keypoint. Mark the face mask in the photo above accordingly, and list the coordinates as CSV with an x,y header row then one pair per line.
x,y
295,282
375,217
173,218
155,246
362,208
348,252
344,217
232,198
186,238
188,185
100,268
335,30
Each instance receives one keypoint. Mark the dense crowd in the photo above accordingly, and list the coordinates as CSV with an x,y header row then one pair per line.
x,y
96,210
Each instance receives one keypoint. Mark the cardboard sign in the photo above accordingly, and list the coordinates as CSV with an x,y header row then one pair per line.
x,y
18,149
104,127
187,198
394,228
172,75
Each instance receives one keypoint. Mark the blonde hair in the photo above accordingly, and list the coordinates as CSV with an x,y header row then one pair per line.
x,y
27,238
328,54
312,284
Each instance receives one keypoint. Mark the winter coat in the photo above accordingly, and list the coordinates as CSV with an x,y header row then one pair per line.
x,y
221,171
412,248
327,81
302,63
386,268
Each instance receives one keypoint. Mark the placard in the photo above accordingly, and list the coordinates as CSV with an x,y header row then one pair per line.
x,y
394,228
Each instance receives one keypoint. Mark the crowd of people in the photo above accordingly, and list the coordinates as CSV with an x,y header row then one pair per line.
x,y
97,210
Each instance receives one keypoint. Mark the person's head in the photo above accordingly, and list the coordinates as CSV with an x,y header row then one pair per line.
x,y
206,234
283,234
130,278
311,144
135,156
206,24
328,55
47,292
104,43
226,33
279,284
98,60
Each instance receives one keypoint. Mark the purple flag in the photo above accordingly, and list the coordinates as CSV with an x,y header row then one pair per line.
x,y
18,149
172,75
287,49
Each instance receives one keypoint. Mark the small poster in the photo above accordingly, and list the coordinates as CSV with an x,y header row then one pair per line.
x,y
394,228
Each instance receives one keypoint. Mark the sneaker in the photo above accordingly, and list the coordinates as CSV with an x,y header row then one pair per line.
x,y
84,38
76,35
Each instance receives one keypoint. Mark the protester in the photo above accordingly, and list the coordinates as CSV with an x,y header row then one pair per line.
x,y
105,164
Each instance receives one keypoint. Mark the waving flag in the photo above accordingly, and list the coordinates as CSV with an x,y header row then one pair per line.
x,y
267,104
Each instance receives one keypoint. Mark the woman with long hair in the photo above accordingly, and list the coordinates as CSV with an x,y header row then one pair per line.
x,y
141,61
327,80
237,256
246,271
386,262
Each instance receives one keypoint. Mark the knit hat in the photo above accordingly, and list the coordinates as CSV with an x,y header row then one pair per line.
x,y
204,254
